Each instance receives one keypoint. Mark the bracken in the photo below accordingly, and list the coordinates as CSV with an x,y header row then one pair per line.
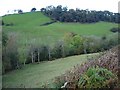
x,y
108,60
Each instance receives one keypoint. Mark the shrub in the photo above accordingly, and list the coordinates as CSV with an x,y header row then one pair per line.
x,y
48,23
74,43
9,24
58,50
23,53
4,39
77,43
96,77
44,53
3,22
10,54
108,64
58,82
115,30
93,44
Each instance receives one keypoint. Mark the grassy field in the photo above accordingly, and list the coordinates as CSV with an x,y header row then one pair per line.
x,y
35,75
27,28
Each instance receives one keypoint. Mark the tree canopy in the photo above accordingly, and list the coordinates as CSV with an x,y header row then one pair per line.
x,y
62,14
20,11
33,9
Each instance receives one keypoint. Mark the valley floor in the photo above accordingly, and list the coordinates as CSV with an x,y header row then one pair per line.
x,y
35,75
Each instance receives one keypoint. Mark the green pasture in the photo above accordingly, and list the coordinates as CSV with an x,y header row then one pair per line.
x,y
36,75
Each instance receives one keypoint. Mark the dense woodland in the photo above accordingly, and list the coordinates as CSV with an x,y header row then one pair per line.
x,y
62,14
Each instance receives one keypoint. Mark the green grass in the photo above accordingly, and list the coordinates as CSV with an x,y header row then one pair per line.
x,y
35,75
27,28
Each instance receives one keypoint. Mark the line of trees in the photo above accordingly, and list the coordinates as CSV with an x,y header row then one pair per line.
x,y
62,14
14,57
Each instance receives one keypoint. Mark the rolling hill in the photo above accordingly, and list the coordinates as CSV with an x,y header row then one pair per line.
x,y
27,28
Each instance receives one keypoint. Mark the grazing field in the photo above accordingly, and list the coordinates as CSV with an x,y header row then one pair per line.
x,y
27,28
35,75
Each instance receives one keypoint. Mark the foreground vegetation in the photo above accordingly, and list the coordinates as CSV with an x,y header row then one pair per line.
x,y
103,72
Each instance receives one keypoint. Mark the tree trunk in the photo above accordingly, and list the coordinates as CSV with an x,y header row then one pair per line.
x,y
24,62
49,54
85,46
63,51
17,65
32,57
38,56
85,52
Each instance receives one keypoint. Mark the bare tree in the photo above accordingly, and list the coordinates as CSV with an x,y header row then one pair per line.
x,y
32,50
38,52
49,48
38,55
85,47
63,49
49,52
32,55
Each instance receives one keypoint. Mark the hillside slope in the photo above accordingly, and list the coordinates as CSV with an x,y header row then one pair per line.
x,y
27,28
30,18
35,75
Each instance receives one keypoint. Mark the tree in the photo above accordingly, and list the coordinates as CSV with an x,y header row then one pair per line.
x,y
77,43
32,53
12,48
43,9
57,50
10,54
49,52
15,11
69,49
23,54
38,49
83,16
74,43
20,11
33,9
63,49
4,57
3,23
4,38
